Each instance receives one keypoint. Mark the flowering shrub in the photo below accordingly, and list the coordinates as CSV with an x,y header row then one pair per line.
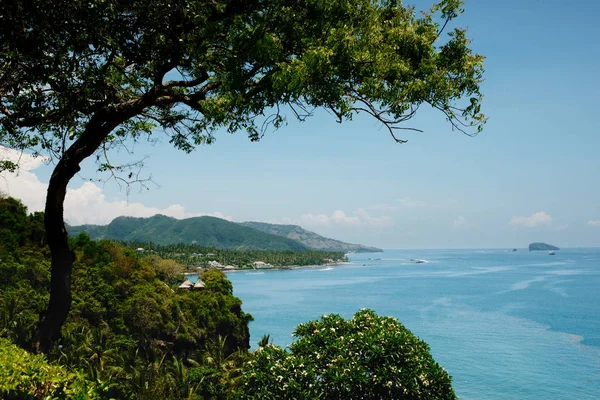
x,y
365,357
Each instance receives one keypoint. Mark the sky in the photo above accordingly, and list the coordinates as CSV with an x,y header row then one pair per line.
x,y
531,175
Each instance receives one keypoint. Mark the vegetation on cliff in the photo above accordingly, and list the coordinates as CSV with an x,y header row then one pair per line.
x,y
132,334
126,326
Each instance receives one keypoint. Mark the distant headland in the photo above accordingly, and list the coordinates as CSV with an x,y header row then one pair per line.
x,y
542,246
215,232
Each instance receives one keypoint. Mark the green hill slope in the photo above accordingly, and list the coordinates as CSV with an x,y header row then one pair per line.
x,y
308,238
205,231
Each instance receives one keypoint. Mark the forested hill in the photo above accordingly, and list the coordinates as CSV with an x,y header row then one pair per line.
x,y
215,232
204,231
308,238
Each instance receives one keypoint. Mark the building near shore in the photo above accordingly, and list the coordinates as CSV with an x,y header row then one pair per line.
x,y
261,265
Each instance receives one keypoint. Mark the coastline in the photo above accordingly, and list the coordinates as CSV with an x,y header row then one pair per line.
x,y
288,267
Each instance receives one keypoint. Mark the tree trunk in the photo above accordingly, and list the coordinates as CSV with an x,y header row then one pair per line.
x,y
52,320
96,132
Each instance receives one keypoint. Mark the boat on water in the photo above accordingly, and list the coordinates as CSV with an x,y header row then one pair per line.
x,y
551,253
415,260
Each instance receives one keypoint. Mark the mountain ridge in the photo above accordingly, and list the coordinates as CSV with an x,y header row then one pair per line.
x,y
215,232
205,231
309,239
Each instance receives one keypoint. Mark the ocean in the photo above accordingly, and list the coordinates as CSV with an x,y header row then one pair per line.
x,y
506,325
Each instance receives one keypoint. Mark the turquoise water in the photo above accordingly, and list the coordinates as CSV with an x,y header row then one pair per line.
x,y
506,325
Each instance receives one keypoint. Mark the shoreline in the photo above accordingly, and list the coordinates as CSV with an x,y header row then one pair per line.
x,y
279,268
288,267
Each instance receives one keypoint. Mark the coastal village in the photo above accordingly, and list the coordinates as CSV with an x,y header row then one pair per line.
x,y
195,264
189,285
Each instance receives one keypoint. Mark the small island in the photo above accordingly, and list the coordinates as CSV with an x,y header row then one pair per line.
x,y
542,246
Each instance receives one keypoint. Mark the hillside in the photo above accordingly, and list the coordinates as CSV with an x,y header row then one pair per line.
x,y
204,231
308,238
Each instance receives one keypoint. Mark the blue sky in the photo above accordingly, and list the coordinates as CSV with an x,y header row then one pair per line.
x,y
531,175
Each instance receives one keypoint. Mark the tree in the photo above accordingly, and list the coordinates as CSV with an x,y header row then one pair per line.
x,y
366,357
78,78
168,271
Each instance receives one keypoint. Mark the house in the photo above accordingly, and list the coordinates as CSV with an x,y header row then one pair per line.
x,y
261,264
187,285
199,284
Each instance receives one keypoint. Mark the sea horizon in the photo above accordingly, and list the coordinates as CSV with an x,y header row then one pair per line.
x,y
520,325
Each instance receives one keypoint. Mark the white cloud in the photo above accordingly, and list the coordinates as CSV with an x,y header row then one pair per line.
x,y
374,221
86,204
340,217
593,222
360,218
23,184
24,161
535,219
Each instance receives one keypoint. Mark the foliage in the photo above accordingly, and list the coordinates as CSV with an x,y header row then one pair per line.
x,y
13,216
214,232
168,271
27,376
193,255
78,78
366,357
205,231
72,64
24,270
133,335
127,327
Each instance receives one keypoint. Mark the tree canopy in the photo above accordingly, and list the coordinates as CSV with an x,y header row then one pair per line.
x,y
131,333
192,67
365,357
78,78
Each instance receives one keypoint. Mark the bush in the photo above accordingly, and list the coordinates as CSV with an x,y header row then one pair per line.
x,y
27,376
366,357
